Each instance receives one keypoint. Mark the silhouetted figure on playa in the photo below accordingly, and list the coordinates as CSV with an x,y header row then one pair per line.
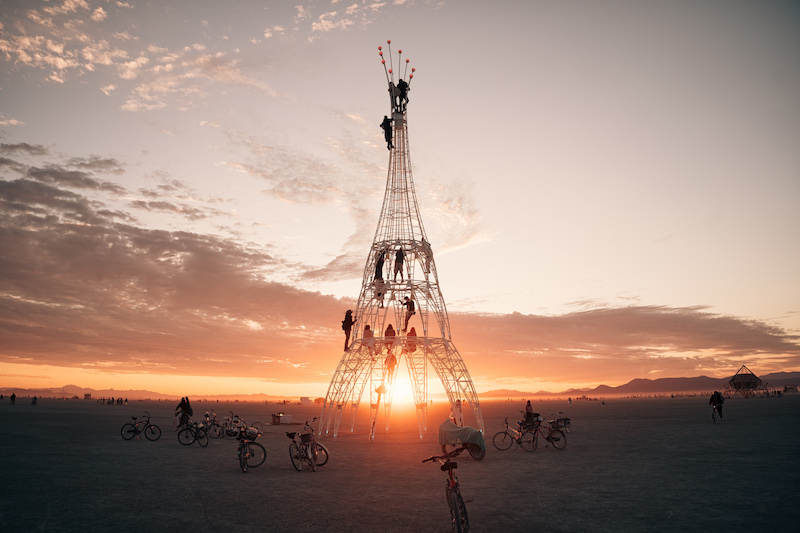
x,y
408,303
402,89
389,338
399,257
387,131
34,400
182,412
716,400
347,326
528,412
13,398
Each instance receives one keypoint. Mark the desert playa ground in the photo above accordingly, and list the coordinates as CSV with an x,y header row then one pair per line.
x,y
629,465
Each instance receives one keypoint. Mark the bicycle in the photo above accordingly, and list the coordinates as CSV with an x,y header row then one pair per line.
x,y
523,437
459,519
716,416
306,449
251,453
193,431
151,431
212,426
553,436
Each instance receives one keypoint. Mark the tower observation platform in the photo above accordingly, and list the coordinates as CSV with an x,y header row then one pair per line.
x,y
401,314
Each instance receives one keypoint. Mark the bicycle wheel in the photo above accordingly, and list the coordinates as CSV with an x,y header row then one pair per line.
x,y
152,432
232,432
311,453
558,439
502,440
322,454
458,512
476,452
294,455
243,456
257,455
128,431
259,426
528,441
201,436
214,431
186,436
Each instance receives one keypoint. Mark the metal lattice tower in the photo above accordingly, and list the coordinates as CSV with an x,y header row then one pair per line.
x,y
400,239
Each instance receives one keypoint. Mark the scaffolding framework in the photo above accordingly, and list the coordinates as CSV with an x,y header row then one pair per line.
x,y
400,249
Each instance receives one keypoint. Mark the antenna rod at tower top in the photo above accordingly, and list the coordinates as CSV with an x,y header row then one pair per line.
x,y
398,92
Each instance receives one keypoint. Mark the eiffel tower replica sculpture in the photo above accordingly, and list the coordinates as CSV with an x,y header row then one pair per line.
x,y
403,319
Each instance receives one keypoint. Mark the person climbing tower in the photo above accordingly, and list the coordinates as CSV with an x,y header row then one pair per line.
x,y
387,131
402,88
347,326
408,303
399,257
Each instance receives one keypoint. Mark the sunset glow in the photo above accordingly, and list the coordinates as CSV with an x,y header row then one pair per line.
x,y
188,193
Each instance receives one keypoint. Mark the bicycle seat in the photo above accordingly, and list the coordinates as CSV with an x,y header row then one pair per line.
x,y
133,418
449,465
291,435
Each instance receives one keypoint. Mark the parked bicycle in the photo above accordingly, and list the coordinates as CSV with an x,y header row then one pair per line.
x,y
459,518
519,435
193,432
251,453
212,425
305,449
551,434
151,431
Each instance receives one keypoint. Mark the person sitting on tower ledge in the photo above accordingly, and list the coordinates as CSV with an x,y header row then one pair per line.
x,y
387,131
369,341
389,334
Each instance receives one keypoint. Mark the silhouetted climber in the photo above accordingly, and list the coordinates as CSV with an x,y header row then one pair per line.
x,y
390,362
408,303
402,88
398,264
369,340
411,340
387,131
379,264
389,335
347,326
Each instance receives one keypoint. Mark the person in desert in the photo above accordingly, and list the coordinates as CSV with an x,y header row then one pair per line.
x,y
717,400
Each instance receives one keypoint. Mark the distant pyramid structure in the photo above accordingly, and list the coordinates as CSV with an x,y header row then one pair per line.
x,y
401,314
746,383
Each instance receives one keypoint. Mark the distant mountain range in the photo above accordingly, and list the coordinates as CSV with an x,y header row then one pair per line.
x,y
71,391
634,387
639,386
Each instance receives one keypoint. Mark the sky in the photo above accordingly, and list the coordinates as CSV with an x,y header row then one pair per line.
x,y
189,190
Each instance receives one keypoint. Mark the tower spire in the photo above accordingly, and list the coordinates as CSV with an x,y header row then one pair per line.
x,y
401,319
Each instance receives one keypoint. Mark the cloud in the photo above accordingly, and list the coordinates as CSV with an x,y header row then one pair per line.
x,y
82,285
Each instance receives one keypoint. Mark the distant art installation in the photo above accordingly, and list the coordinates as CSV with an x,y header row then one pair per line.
x,y
401,314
